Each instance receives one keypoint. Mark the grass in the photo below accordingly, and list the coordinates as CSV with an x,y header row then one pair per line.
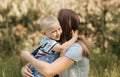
x,y
11,66
101,65
104,65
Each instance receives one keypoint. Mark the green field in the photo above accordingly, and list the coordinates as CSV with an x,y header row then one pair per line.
x,y
101,65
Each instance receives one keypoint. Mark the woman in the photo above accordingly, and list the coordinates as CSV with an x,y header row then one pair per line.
x,y
74,62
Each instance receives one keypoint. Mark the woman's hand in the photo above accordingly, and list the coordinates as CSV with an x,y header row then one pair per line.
x,y
26,72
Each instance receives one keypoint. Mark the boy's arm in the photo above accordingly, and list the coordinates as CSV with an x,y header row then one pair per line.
x,y
66,45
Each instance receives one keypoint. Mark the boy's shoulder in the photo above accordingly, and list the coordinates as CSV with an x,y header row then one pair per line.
x,y
47,44
47,40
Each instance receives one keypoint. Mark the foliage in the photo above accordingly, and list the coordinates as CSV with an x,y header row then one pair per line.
x,y
14,24
100,21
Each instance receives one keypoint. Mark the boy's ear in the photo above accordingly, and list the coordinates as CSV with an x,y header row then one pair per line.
x,y
43,33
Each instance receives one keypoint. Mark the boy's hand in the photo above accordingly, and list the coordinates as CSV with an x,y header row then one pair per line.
x,y
25,54
75,34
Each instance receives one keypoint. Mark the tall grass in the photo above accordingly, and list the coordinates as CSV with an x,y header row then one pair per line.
x,y
101,65
104,65
11,66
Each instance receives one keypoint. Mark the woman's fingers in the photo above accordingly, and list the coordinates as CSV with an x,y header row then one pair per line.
x,y
26,72
27,75
29,71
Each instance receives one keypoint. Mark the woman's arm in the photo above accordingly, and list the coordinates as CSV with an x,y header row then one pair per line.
x,y
47,69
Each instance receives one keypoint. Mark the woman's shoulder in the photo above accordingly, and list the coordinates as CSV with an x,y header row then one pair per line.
x,y
74,52
75,46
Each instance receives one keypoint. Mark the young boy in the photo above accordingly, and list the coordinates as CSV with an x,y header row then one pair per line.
x,y
49,47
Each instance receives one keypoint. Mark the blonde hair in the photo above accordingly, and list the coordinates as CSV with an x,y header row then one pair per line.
x,y
47,21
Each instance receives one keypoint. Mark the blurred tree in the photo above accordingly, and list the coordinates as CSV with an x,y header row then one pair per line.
x,y
100,19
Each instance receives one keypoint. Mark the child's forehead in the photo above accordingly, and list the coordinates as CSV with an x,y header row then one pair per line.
x,y
54,25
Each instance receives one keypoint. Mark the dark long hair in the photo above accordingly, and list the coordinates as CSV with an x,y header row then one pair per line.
x,y
69,21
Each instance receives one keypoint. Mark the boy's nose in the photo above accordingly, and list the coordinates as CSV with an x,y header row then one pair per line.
x,y
59,33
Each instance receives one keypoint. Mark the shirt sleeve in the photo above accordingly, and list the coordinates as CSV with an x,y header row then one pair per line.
x,y
34,52
74,52
48,45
